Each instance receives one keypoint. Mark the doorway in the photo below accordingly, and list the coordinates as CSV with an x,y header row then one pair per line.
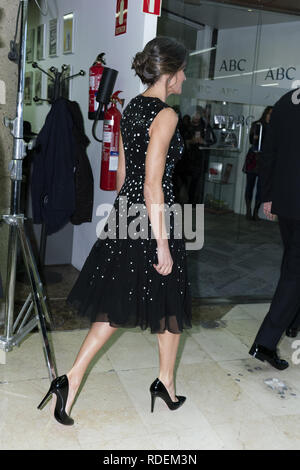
x,y
241,61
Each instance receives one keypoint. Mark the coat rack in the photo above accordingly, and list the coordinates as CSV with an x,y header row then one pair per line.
x,y
58,78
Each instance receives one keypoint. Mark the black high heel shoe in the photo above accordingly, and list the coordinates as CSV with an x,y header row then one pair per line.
x,y
157,389
59,386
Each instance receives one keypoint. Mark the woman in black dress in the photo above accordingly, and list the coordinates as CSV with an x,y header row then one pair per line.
x,y
139,279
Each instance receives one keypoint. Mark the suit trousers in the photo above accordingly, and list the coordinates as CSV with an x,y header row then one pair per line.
x,y
250,184
284,311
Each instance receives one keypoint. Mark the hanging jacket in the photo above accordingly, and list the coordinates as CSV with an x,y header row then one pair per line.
x,y
57,182
84,181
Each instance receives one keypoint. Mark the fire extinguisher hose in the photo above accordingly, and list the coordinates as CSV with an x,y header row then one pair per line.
x,y
96,122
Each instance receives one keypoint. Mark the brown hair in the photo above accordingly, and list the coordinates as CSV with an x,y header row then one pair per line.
x,y
265,113
161,55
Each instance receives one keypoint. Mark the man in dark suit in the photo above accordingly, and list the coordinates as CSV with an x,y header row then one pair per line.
x,y
280,180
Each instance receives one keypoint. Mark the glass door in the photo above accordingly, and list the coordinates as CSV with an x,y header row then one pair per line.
x,y
241,61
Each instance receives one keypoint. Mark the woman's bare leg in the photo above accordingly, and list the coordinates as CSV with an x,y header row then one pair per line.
x,y
99,333
168,346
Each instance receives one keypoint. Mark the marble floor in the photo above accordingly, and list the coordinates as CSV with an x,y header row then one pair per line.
x,y
233,400
239,258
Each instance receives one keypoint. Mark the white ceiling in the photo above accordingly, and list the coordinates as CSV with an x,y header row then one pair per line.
x,y
221,16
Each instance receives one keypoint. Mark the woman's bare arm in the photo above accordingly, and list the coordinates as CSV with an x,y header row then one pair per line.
x,y
161,131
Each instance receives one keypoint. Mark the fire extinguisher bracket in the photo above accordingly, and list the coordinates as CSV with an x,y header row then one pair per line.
x,y
104,97
110,147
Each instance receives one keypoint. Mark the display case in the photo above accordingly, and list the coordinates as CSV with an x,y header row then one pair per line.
x,y
219,190
218,130
221,175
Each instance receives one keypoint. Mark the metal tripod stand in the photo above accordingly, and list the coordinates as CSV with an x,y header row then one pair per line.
x,y
26,321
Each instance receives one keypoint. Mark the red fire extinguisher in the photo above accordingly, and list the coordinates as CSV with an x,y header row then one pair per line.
x,y
110,147
95,75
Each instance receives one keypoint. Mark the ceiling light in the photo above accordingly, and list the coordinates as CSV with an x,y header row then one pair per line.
x,y
271,84
202,51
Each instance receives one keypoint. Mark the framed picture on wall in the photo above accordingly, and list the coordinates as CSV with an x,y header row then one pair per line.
x,y
68,33
28,88
30,46
40,42
50,86
38,84
53,37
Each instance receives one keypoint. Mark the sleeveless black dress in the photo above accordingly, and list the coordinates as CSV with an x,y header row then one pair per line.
x,y
118,282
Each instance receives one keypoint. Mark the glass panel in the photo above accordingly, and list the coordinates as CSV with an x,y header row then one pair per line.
x,y
241,61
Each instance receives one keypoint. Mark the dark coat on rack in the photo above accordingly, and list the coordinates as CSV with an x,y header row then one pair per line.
x,y
62,180
84,181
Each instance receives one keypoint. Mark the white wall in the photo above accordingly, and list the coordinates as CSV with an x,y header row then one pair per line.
x,y
94,33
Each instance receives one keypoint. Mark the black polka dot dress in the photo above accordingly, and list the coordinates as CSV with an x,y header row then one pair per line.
x,y
118,282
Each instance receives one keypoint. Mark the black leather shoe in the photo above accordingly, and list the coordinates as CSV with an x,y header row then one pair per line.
x,y
264,354
292,332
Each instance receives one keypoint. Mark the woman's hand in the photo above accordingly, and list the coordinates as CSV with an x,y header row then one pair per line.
x,y
267,211
165,261
198,139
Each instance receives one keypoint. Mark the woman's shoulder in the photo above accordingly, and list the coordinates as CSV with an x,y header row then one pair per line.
x,y
165,121
149,107
167,113
148,102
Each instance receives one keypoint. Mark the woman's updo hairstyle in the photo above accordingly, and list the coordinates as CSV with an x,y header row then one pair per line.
x,y
161,55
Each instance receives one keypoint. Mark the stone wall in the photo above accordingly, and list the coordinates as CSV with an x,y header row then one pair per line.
x,y
8,75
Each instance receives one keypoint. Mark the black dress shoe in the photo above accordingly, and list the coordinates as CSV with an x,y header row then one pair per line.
x,y
264,354
292,332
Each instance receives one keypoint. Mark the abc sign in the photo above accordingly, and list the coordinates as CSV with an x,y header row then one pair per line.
x,y
233,65
281,73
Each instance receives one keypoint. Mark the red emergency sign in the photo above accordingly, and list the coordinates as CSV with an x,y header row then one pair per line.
x,y
152,6
121,17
